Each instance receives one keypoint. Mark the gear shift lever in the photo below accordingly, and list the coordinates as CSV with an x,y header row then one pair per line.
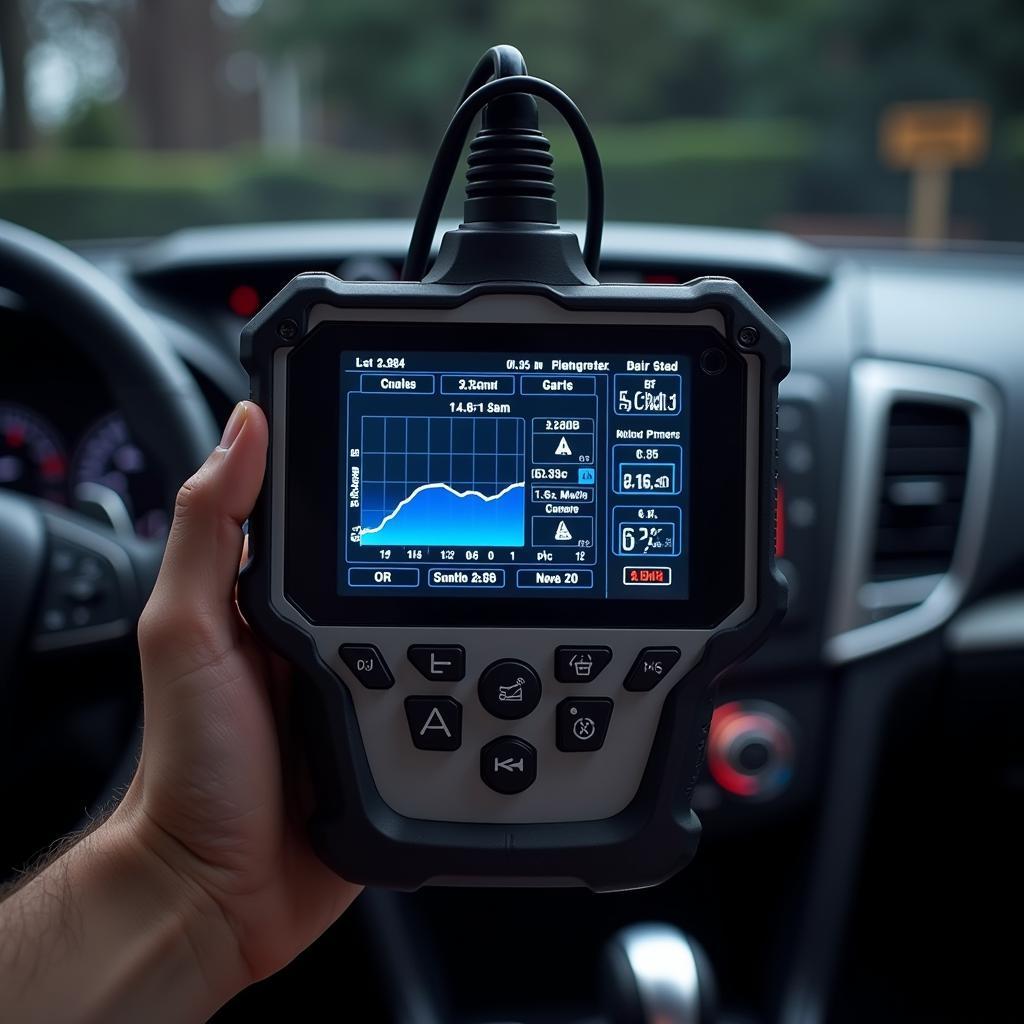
x,y
654,974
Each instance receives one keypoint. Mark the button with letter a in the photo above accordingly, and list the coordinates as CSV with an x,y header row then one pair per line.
x,y
435,723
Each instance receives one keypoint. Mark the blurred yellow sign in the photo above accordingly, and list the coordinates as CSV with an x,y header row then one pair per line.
x,y
937,134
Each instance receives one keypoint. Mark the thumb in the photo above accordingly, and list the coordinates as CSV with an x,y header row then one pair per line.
x,y
190,619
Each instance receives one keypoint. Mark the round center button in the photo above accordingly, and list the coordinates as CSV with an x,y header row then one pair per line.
x,y
509,689
508,765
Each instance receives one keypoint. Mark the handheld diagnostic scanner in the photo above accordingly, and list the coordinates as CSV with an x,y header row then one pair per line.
x,y
514,525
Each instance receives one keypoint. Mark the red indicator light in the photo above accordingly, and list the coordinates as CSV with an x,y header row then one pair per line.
x,y
52,467
244,300
15,436
649,575
661,279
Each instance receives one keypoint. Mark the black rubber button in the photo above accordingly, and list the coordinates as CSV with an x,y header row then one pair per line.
x,y
367,665
582,725
443,664
509,689
508,765
435,723
580,664
651,666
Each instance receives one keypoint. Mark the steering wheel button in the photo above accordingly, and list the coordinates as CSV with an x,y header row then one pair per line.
x,y
366,663
82,590
62,560
435,723
580,664
582,725
508,765
651,666
90,567
54,619
509,689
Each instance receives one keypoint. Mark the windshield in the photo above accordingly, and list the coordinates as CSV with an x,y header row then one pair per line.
x,y
863,118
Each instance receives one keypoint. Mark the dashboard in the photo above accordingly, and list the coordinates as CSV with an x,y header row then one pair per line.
x,y
900,498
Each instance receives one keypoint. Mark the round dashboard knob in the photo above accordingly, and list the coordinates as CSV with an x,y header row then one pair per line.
x,y
751,749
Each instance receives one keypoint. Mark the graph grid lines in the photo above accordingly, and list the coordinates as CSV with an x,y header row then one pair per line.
x,y
417,470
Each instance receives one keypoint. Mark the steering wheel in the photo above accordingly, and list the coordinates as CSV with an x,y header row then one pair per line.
x,y
54,561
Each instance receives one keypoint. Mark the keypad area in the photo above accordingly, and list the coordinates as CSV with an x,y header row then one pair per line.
x,y
508,725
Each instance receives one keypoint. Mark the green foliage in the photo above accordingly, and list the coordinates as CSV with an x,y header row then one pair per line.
x,y
711,111
741,173
392,68
701,171
96,126
105,193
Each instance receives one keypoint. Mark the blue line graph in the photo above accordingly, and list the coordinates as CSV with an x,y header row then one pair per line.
x,y
431,481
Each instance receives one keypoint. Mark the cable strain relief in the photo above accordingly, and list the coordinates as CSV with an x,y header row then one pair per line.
x,y
515,111
510,176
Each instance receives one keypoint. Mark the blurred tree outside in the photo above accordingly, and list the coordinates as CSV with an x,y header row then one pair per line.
x,y
748,112
17,126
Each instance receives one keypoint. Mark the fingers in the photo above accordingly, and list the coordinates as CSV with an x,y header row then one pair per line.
x,y
190,616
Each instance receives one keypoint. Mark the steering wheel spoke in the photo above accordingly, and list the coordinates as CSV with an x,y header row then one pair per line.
x,y
95,582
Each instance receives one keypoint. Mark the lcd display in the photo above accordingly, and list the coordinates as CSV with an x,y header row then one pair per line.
x,y
495,474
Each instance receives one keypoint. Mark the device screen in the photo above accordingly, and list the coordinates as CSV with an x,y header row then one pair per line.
x,y
534,474
514,474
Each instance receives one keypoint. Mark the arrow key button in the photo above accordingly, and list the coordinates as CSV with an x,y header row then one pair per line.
x,y
508,765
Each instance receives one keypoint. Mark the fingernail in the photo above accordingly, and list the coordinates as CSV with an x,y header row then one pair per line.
x,y
233,427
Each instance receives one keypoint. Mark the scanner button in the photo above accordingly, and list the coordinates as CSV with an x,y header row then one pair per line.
x,y
508,765
435,723
509,689
367,665
582,724
651,666
443,664
580,664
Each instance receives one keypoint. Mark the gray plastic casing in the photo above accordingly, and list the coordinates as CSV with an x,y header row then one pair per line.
x,y
390,814
446,785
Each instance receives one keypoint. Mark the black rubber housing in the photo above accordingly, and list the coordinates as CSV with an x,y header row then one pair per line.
x,y
352,829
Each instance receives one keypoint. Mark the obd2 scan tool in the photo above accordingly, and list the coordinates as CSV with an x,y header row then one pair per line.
x,y
514,524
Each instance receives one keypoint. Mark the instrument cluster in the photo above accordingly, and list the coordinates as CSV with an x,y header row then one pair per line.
x,y
61,439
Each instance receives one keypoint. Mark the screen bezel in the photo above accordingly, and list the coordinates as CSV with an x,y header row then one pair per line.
x,y
718,470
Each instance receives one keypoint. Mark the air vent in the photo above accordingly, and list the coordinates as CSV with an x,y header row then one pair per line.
x,y
922,494
917,487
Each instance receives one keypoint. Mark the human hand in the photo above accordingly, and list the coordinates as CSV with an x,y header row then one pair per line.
x,y
213,801
202,880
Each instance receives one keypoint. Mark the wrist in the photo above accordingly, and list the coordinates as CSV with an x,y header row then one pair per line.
x,y
111,932
178,928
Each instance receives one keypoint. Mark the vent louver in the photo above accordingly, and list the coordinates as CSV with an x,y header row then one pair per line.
x,y
917,489
922,490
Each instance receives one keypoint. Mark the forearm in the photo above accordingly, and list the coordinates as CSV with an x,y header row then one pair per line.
x,y
109,933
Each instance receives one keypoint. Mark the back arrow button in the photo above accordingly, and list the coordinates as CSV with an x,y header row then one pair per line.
x,y
508,765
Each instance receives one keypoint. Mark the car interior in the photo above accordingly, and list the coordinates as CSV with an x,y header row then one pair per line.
x,y
863,791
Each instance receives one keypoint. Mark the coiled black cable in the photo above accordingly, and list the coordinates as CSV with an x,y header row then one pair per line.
x,y
501,61
496,60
